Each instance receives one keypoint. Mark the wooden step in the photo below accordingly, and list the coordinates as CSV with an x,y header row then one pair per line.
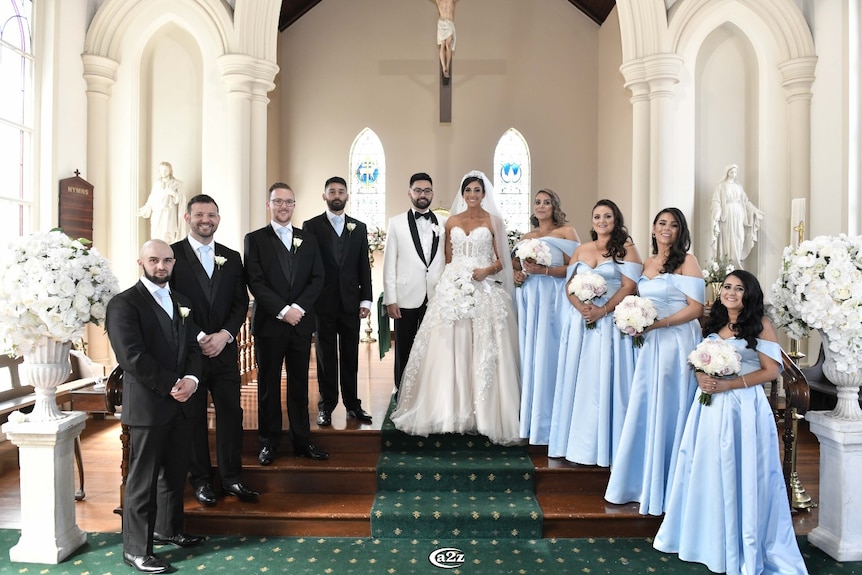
x,y
568,515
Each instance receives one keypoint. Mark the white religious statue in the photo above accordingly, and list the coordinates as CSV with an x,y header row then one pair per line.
x,y
446,32
735,220
165,207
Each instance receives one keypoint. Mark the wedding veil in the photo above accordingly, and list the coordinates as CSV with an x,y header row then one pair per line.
x,y
501,241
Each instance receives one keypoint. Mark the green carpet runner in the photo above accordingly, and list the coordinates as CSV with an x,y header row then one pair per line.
x,y
453,487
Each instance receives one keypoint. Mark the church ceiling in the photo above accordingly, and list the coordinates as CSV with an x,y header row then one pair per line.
x,y
293,10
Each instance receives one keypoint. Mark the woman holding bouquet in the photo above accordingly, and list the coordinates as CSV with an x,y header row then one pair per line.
x,y
727,506
595,366
540,269
663,384
462,374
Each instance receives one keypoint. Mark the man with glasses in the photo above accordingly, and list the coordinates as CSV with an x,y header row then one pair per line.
x,y
412,264
284,273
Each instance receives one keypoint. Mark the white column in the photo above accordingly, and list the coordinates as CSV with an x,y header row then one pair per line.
x,y
640,219
101,75
662,73
839,524
49,532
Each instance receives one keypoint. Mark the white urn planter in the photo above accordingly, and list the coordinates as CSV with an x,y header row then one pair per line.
x,y
847,386
46,367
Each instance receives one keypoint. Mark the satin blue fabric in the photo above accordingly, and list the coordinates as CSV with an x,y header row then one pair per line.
x,y
727,506
663,388
539,301
594,377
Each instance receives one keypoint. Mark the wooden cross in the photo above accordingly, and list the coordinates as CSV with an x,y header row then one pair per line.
x,y
446,97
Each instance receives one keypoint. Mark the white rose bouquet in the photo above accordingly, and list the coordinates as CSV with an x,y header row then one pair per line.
x,y
586,287
633,315
457,295
534,250
715,357
51,286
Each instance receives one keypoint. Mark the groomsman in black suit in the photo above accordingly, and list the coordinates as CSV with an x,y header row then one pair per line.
x,y
285,274
211,276
343,303
154,339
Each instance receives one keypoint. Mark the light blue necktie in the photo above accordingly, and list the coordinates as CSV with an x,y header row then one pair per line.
x,y
163,295
207,259
338,224
284,236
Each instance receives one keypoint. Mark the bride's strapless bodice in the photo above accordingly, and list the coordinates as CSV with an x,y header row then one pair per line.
x,y
477,246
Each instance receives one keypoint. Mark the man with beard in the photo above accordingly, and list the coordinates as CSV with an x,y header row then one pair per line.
x,y
211,275
344,301
154,339
412,264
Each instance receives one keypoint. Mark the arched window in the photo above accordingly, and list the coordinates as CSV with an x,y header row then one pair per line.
x,y
16,118
512,180
367,183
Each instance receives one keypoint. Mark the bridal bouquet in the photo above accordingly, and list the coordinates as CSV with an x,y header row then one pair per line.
x,y
51,286
456,295
633,315
717,358
535,250
586,287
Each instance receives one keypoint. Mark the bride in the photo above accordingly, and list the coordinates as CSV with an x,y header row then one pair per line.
x,y
462,375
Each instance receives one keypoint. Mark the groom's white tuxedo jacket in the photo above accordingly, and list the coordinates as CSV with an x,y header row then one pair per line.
x,y
409,277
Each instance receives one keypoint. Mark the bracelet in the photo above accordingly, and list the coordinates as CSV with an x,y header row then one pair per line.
x,y
546,269
667,323
744,384
605,307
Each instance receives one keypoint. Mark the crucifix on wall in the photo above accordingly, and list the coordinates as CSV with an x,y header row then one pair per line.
x,y
446,41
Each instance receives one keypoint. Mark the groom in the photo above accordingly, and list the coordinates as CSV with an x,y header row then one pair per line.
x,y
413,262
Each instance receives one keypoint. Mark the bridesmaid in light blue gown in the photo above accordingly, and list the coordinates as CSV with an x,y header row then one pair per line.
x,y
663,386
591,396
727,505
539,300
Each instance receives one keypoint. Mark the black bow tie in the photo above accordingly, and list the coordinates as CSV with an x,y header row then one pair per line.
x,y
426,215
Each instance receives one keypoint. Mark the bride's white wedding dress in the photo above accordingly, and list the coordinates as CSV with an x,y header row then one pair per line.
x,y
462,375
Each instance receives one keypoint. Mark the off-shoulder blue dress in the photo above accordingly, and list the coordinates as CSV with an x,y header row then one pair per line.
x,y
663,388
727,506
594,377
539,301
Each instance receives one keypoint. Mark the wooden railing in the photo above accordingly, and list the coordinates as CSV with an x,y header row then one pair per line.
x,y
797,397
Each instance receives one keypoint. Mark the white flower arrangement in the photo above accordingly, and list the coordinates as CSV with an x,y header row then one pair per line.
x,y
376,240
715,357
586,287
714,271
534,249
633,315
456,297
820,287
220,261
51,287
184,312
513,237
296,243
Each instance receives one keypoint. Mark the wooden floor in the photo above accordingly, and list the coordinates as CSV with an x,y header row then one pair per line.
x,y
101,455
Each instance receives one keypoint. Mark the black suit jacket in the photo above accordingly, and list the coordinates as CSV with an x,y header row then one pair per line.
x,y
142,336
277,278
347,280
220,302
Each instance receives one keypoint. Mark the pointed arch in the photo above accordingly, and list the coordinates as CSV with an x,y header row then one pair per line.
x,y
512,179
367,182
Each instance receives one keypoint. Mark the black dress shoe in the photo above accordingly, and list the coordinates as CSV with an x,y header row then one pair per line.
x,y
324,418
180,540
267,456
240,491
147,563
359,414
311,452
204,494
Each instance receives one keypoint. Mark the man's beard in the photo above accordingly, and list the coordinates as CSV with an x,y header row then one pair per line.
x,y
156,280
335,205
421,202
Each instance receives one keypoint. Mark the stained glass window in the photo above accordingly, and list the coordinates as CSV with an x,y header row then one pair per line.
x,y
367,182
512,180
16,117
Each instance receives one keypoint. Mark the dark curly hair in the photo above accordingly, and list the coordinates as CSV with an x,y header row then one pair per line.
x,y
680,247
749,324
619,236
558,217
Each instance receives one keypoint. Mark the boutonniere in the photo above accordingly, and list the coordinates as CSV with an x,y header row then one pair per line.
x,y
296,243
350,227
220,261
184,312
436,229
